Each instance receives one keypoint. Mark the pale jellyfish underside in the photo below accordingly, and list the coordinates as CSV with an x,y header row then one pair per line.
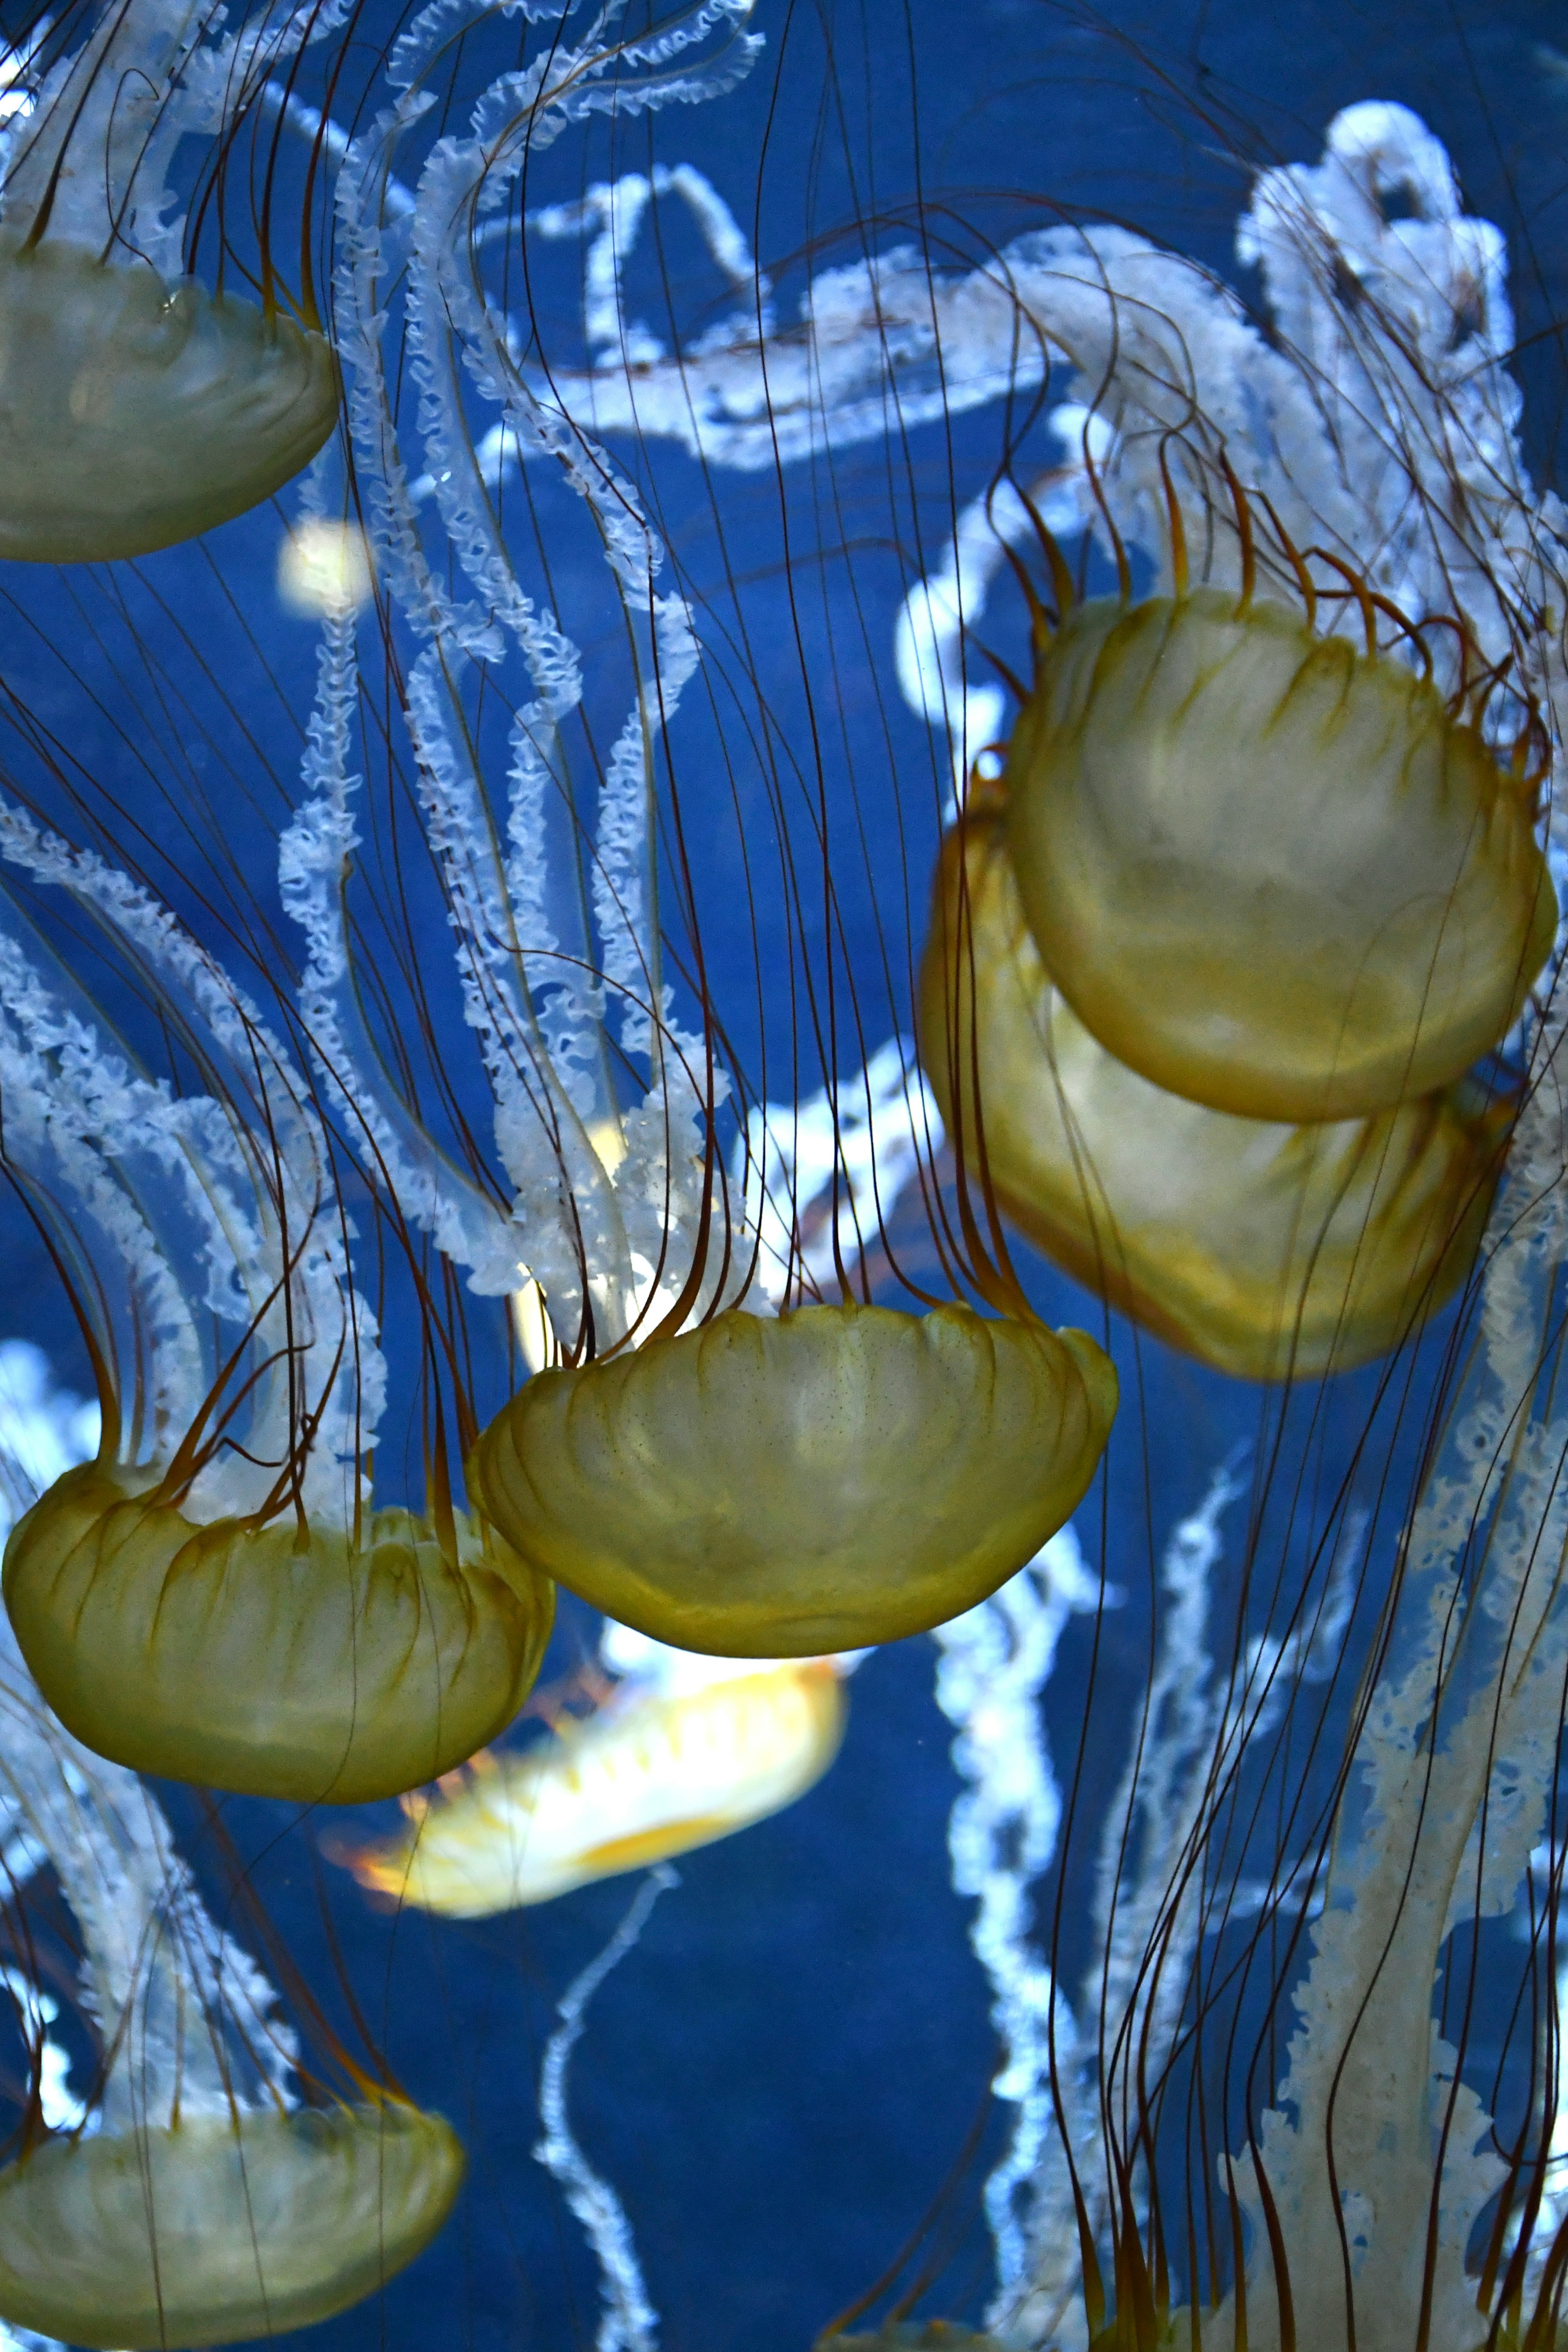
x,y
219,2229
134,414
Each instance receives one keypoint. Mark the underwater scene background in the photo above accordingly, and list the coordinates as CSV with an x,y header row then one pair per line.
x,y
791,2082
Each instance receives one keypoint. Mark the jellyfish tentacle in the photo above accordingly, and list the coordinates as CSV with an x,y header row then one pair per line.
x,y
256,1149
819,1179
60,1099
992,1662
93,151
618,1237
628,2319
314,856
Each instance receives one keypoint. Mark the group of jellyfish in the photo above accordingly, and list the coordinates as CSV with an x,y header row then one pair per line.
x,y
1235,944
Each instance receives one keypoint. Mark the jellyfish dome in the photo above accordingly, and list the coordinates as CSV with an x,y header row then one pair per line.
x,y
777,1488
134,413
240,1657
136,409
1270,1251
218,2229
663,1767
1266,870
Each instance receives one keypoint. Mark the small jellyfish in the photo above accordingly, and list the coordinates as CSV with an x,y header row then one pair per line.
x,y
766,1488
1268,1250
664,1766
1268,871
218,2229
136,409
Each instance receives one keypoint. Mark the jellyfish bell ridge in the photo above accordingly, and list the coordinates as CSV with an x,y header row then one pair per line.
x,y
243,1658
836,1477
134,414
1268,1250
648,1777
220,2228
1266,870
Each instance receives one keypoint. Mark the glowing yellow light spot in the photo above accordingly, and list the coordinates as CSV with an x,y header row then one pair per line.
x,y
531,1327
325,568
607,1141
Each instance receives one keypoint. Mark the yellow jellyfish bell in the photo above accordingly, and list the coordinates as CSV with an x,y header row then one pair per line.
x,y
220,2228
134,414
765,1487
1267,1250
655,1772
272,1661
1266,870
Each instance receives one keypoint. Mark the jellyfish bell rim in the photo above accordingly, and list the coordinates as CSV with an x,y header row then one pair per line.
x,y
671,1486
136,414
100,1575
1240,1014
113,2180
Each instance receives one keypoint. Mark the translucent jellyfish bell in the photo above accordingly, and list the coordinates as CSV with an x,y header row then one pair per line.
x,y
134,413
655,1772
195,2201
1266,1249
219,2229
1268,871
136,409
241,1657
781,1489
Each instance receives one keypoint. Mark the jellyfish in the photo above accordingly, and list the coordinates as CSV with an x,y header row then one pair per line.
x,y
135,408
195,2198
1373,913
1271,2108
1323,1983
214,1596
1258,1726
1267,1250
1268,871
683,1750
709,1470
1471,761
